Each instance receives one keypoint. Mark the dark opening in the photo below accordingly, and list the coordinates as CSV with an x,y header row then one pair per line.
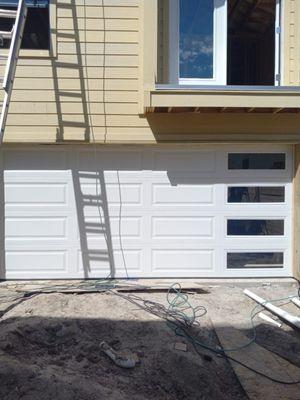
x,y
36,31
255,260
256,161
255,227
251,42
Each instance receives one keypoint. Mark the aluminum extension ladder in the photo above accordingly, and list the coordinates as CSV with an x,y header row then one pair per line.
x,y
15,36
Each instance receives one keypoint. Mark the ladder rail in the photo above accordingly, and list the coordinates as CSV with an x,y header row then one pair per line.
x,y
12,62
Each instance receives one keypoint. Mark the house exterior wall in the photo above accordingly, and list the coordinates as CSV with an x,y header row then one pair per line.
x,y
291,40
296,211
88,87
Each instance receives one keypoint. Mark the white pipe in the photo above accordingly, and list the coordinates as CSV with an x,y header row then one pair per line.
x,y
291,319
269,319
296,301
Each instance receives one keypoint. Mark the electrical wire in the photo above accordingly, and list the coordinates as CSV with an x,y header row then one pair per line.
x,y
181,317
180,322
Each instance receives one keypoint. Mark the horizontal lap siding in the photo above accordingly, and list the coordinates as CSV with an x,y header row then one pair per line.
x,y
291,37
90,90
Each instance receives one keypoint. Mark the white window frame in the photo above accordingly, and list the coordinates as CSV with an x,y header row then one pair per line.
x,y
220,46
278,28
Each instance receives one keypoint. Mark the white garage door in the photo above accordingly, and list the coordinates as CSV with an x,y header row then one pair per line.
x,y
73,211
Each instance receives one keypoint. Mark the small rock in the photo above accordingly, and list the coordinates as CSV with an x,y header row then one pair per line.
x,y
180,346
136,358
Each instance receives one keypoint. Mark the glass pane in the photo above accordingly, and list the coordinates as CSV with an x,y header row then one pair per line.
x,y
253,227
29,3
196,39
255,194
36,31
256,161
255,260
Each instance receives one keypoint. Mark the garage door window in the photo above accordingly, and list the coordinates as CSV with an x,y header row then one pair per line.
x,y
253,227
255,260
256,194
254,161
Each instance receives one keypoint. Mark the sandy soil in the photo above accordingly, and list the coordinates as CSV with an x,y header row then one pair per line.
x,y
49,347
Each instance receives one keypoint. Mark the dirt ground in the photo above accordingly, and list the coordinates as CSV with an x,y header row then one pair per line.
x,y
50,345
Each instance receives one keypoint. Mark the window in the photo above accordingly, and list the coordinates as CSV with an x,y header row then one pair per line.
x,y
255,194
224,42
255,227
197,45
37,26
256,161
255,260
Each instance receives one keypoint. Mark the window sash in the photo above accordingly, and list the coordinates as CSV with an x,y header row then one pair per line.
x,y
219,51
29,3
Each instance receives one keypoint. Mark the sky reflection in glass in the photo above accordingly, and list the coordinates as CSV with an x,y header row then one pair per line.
x,y
196,39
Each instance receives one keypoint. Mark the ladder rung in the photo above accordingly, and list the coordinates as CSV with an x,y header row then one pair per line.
x,y
8,13
6,35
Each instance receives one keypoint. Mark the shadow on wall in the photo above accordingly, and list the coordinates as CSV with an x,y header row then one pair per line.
x,y
223,126
99,224
101,201
73,101
78,193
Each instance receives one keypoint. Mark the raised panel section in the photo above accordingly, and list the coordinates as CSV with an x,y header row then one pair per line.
x,y
183,161
34,160
115,194
182,260
35,193
124,227
129,260
30,227
182,194
110,161
36,261
182,227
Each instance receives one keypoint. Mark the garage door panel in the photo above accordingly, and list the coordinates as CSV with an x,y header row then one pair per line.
x,y
182,227
103,264
36,261
35,194
72,212
112,194
182,261
35,227
96,227
183,161
35,160
182,195
110,160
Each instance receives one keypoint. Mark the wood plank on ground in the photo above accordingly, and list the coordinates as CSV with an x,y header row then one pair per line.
x,y
260,359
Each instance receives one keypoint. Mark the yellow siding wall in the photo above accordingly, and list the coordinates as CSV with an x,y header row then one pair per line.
x,y
88,91
291,42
